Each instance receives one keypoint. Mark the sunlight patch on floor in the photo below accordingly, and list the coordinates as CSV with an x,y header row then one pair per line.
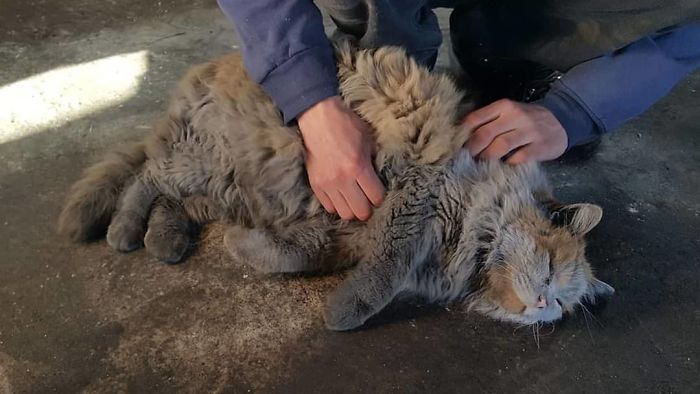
x,y
56,97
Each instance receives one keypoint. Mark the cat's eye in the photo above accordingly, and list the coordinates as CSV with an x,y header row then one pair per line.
x,y
558,302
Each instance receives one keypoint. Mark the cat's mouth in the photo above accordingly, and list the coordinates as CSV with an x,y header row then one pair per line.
x,y
548,316
529,316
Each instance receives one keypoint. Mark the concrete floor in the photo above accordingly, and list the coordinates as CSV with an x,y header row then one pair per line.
x,y
79,76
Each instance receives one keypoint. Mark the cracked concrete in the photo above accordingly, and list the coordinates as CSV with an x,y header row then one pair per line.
x,y
83,318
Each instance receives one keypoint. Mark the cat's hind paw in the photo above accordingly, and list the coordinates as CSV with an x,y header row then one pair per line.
x,y
169,231
126,231
167,246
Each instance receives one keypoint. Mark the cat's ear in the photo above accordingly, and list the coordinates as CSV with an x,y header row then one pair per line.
x,y
578,218
597,288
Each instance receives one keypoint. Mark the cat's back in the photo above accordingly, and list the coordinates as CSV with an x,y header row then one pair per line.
x,y
240,116
220,99
240,96
226,139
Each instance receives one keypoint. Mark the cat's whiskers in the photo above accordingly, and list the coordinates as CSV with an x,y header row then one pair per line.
x,y
593,317
585,317
536,333
554,326
521,326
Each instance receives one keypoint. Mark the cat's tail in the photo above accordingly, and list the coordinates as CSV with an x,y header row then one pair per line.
x,y
93,199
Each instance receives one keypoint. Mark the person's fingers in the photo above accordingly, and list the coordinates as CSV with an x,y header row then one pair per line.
x,y
371,186
522,155
357,201
341,205
481,116
486,134
323,198
505,143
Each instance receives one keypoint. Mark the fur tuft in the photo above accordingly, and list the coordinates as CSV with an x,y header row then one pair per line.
x,y
92,200
202,209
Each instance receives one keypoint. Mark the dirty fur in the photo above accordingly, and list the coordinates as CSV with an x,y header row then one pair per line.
x,y
451,229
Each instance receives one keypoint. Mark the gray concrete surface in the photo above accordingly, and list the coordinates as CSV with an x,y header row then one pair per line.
x,y
80,76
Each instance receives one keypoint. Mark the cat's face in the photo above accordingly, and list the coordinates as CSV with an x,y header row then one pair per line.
x,y
539,270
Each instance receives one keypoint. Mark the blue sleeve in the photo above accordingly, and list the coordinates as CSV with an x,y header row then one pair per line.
x,y
599,95
286,50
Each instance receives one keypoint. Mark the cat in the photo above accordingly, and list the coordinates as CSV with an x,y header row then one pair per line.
x,y
451,229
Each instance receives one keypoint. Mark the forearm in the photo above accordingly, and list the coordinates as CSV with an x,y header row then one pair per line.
x,y
597,96
285,49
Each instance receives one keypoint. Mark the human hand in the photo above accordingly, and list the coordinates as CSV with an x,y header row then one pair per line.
x,y
339,159
528,132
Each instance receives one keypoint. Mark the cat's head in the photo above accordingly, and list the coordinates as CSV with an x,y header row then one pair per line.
x,y
538,269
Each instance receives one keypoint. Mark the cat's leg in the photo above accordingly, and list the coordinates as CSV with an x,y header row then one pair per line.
x,y
169,230
126,231
294,248
398,239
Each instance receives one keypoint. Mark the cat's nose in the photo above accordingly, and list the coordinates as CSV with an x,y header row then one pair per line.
x,y
541,302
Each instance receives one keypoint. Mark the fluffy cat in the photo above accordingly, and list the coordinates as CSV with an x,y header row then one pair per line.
x,y
451,229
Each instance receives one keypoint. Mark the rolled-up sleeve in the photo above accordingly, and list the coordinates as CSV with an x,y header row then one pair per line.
x,y
286,50
597,96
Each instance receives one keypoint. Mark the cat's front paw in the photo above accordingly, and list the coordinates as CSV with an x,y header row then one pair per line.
x,y
166,246
126,231
345,310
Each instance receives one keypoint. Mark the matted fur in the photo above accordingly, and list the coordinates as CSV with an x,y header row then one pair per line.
x,y
451,229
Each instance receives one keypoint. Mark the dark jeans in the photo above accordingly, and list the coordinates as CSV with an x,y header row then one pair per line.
x,y
557,34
